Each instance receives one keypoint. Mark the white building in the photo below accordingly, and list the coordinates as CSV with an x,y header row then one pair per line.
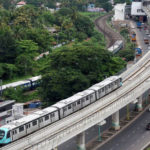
x,y
136,9
119,12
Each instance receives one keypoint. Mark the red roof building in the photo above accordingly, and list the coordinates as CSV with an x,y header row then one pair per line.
x,y
21,3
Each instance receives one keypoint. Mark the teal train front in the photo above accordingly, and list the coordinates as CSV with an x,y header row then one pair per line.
x,y
4,136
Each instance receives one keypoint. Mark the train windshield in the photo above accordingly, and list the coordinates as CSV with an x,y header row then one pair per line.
x,y
2,134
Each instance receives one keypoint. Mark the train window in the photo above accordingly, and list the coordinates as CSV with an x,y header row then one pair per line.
x,y
91,96
65,109
41,120
21,128
13,132
78,102
34,123
52,114
27,126
46,117
87,98
74,104
8,134
69,106
102,89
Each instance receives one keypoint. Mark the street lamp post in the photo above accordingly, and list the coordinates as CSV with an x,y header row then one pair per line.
x,y
99,134
99,129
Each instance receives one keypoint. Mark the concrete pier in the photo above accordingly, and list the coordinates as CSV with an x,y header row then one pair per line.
x,y
81,141
115,121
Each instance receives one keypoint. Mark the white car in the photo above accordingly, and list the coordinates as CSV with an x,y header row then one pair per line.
x,y
147,32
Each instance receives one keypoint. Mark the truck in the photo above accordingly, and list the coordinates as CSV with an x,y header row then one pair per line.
x,y
138,51
133,37
146,41
139,25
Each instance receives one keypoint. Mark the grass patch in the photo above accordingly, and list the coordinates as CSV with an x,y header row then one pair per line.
x,y
93,15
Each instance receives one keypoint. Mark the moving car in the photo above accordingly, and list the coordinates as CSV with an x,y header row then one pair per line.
x,y
148,126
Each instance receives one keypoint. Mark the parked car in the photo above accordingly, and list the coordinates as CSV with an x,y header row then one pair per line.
x,y
146,41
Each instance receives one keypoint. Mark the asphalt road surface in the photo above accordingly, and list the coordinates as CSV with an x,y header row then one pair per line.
x,y
92,132
112,145
132,138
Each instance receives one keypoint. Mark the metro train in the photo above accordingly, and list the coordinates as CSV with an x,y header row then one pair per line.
x,y
39,119
116,46
30,83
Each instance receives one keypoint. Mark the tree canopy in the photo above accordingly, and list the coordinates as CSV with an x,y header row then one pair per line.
x,y
75,68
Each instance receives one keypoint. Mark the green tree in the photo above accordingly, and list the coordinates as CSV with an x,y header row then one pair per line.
x,y
107,6
27,51
70,70
57,85
7,44
84,24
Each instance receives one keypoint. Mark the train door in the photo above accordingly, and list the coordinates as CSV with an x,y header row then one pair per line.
x,y
47,119
106,89
28,128
41,122
22,131
109,88
68,110
75,106
56,114
83,101
87,101
103,91
92,97
15,134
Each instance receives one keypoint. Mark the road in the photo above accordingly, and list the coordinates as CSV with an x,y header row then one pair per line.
x,y
93,132
132,138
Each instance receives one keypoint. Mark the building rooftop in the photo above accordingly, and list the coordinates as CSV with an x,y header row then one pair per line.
x,y
4,103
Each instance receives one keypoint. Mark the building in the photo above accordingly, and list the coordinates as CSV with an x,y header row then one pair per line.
x,y
5,111
119,14
90,6
137,11
20,4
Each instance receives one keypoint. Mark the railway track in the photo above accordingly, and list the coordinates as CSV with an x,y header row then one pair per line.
x,y
109,33
137,73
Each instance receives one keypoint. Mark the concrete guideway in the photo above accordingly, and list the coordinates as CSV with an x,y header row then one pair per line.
x,y
76,123
110,134
52,136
